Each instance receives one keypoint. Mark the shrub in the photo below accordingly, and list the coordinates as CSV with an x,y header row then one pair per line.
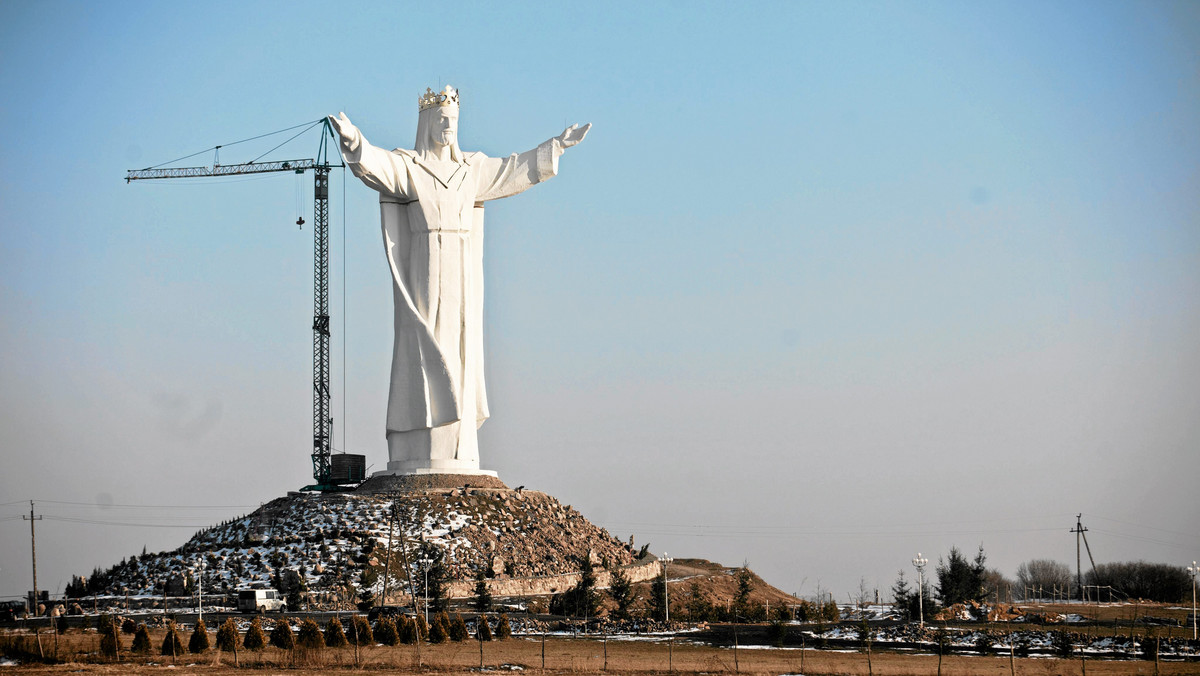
x,y
309,637
582,600
422,627
360,631
483,596
282,636
483,632
942,638
777,632
458,629
110,641
439,633
128,626
171,644
198,642
1150,647
141,640
407,629
1063,644
621,591
1022,645
227,636
335,636
385,631
503,631
960,580
255,638
983,643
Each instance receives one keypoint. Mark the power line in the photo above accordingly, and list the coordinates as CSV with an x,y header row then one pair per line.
x,y
1138,525
104,506
1140,538
97,522
737,532
878,526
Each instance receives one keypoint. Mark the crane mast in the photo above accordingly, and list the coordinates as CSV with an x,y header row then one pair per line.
x,y
320,166
322,416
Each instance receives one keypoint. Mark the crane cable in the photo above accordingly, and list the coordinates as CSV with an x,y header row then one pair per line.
x,y
302,131
344,366
252,138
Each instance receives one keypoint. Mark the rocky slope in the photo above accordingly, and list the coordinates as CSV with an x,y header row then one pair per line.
x,y
329,541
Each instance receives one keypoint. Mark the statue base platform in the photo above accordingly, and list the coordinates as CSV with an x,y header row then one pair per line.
x,y
396,482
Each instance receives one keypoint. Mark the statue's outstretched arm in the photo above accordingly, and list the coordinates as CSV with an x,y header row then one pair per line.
x,y
341,124
572,134
504,177
379,169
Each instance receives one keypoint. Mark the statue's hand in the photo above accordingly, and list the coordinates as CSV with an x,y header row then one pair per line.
x,y
341,124
573,134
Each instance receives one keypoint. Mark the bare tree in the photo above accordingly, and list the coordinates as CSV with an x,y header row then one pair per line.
x,y
1043,574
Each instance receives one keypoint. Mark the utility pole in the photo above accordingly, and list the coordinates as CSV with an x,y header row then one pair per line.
x,y
1079,530
1193,570
200,587
666,560
33,549
425,561
408,572
387,563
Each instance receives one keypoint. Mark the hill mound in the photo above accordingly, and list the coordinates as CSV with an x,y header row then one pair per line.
x,y
338,544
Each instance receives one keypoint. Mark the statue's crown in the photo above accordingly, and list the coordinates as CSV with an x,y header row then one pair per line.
x,y
446,97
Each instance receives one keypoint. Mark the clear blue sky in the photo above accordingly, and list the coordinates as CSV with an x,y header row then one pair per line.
x,y
827,284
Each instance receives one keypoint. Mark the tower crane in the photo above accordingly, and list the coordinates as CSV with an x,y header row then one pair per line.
x,y
320,166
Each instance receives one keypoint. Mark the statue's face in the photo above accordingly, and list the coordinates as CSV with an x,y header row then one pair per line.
x,y
444,130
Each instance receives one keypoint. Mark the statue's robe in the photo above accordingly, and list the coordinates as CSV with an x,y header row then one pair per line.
x,y
432,219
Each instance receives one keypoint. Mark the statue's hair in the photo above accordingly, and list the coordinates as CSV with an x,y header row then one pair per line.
x,y
424,143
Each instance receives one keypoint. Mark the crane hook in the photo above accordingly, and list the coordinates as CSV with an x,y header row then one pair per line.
x,y
300,222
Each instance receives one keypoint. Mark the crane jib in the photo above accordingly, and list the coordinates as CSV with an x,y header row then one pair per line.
x,y
297,166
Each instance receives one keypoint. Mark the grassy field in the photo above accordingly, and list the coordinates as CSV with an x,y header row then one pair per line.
x,y
79,653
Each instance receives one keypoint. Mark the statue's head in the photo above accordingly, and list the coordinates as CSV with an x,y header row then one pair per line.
x,y
437,122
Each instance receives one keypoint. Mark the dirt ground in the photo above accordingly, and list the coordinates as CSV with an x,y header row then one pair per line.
x,y
567,655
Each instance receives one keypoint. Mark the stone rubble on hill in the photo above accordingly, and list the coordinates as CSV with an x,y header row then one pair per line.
x,y
328,539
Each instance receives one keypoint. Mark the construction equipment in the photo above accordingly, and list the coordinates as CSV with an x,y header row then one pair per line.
x,y
320,166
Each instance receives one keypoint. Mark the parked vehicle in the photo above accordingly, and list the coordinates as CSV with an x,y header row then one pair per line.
x,y
261,601
11,610
377,612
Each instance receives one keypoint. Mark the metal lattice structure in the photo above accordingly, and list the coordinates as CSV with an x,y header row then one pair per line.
x,y
322,416
297,166
320,166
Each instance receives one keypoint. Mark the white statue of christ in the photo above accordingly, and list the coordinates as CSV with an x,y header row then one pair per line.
x,y
431,202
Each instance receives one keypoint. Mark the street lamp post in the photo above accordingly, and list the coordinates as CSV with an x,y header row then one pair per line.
x,y
1193,570
920,563
425,565
200,587
666,597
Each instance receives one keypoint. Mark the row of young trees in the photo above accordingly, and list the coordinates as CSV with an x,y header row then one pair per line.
x,y
309,637
585,601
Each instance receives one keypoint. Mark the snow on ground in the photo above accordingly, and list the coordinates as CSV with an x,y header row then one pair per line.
x,y
328,540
